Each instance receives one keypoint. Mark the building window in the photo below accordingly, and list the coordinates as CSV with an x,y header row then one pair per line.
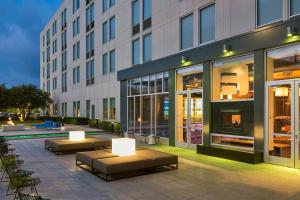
x,y
88,109
105,108
76,75
54,83
90,17
64,109
48,86
135,17
207,24
48,71
48,54
136,52
233,79
269,11
105,5
90,73
295,7
76,5
186,32
64,82
90,45
54,28
112,108
76,108
112,28
76,26
105,67
105,32
54,46
48,37
54,65
147,48
189,78
76,51
283,63
112,61
64,40
112,3
64,19
148,113
147,13
64,61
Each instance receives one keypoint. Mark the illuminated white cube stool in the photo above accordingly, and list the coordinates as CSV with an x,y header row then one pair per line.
x,y
76,135
123,146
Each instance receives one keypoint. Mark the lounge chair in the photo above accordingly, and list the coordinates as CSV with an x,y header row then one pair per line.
x,y
61,145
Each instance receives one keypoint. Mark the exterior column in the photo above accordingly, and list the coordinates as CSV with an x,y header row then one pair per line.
x,y
172,107
206,103
259,100
123,105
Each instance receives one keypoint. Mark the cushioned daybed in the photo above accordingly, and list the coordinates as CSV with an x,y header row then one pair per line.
x,y
106,164
65,145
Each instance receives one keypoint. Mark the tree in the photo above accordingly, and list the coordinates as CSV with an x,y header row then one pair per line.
x,y
26,98
3,97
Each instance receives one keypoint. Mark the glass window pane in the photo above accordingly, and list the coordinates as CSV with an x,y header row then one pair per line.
x,y
136,52
105,108
269,11
159,80
186,31
162,115
145,85
105,32
147,48
112,108
137,114
295,7
135,86
112,61
207,24
112,28
146,115
135,12
105,64
105,5
147,9
233,78
152,83
283,63
189,78
131,114
112,3
166,81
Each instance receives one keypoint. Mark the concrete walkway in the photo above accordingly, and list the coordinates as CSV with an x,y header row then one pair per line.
x,y
198,177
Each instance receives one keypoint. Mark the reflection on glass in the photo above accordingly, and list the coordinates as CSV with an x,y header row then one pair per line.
x,y
166,81
131,114
146,115
279,120
182,117
162,115
145,85
159,80
233,78
189,78
137,114
283,63
135,86
238,142
152,83
196,118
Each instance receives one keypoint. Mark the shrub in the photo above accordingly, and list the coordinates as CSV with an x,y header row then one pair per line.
x,y
117,127
93,123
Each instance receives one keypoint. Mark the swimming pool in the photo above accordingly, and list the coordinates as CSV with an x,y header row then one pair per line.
x,y
46,135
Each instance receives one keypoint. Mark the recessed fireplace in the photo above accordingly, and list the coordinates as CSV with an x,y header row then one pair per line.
x,y
232,119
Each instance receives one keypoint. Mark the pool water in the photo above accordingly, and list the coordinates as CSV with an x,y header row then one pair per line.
x,y
44,135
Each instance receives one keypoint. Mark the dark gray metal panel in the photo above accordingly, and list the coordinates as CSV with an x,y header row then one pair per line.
x,y
172,108
123,105
266,37
206,103
259,99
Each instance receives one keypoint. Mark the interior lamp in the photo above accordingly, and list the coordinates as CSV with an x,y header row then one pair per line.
x,y
282,92
123,146
76,135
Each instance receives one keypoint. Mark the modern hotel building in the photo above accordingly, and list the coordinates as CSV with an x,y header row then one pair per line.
x,y
221,77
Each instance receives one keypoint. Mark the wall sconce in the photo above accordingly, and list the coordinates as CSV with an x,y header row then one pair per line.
x,y
226,48
184,59
291,31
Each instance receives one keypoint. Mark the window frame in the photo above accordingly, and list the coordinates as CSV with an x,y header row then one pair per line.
x,y
272,22
199,24
180,31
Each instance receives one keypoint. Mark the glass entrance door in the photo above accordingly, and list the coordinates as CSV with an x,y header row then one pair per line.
x,y
282,132
189,119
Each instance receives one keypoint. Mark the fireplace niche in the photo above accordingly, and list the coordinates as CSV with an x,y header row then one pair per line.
x,y
232,124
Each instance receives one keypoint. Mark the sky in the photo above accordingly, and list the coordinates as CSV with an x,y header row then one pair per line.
x,y
21,22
